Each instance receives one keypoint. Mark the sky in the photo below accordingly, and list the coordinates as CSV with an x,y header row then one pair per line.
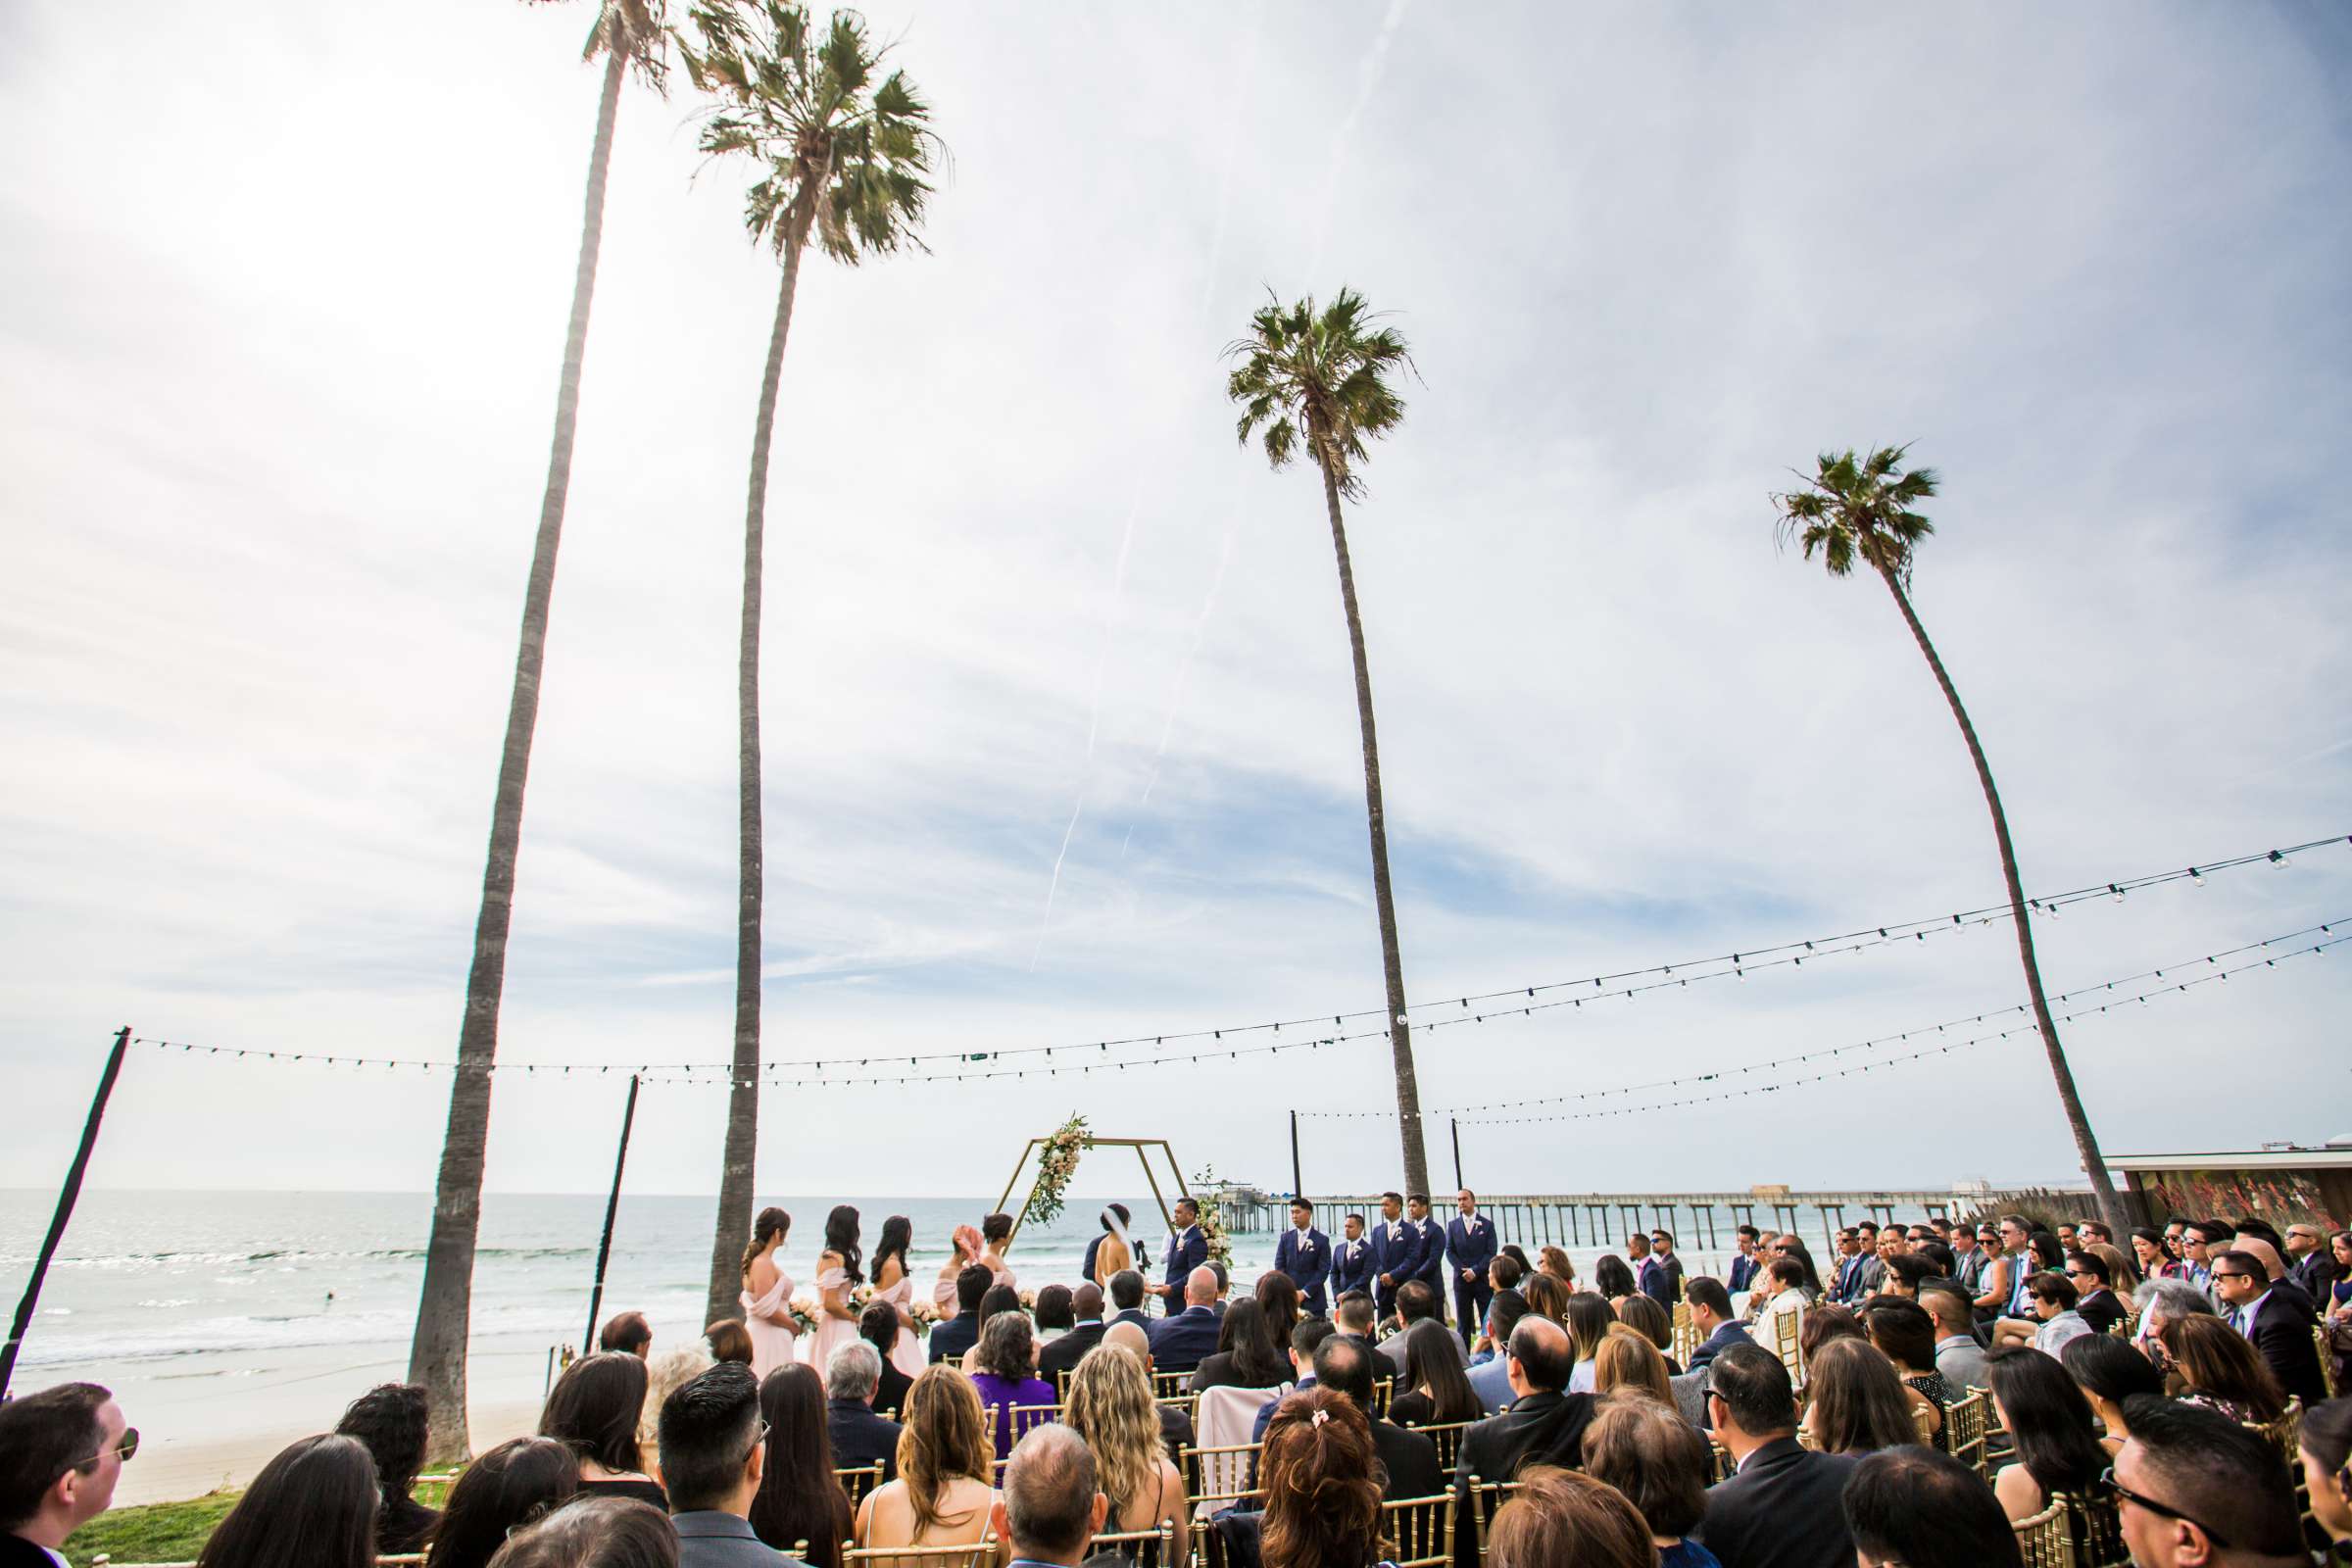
x,y
1059,728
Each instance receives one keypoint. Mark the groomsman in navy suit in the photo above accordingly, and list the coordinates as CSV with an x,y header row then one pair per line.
x,y
1187,1249
1469,1248
1430,1270
1395,1253
1304,1255
1353,1265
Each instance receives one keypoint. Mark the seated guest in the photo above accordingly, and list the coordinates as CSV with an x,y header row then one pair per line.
x,y
1310,1332
1653,1323
1321,1486
1826,1322
1627,1365
1711,1315
314,1504
1435,1391
593,1412
1006,1374
1278,1297
2160,1301
2221,1370
1056,1313
1853,1401
2052,1297
959,1333
594,1532
1358,1317
1545,1423
711,1454
1085,1333
860,1437
1662,1465
2275,1315
2109,1372
1127,1299
1780,1292
62,1451
879,1326
1909,1272
389,1420
663,1374
1558,1518
628,1332
2195,1488
1507,1270
1554,1261
1905,1334
1247,1356
729,1340
1408,1459
942,1496
1590,1319
1547,1297
1413,1306
1780,1508
1491,1378
1913,1508
1110,1407
1175,1424
1179,1343
2048,1421
1612,1277
1959,1358
1053,1506
505,1490
994,1301
2324,1447
800,1498
2093,1280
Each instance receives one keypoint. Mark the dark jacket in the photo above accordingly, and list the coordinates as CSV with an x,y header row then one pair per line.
x,y
1182,1342
1351,1267
1411,1461
1216,1372
1065,1353
889,1394
1784,1509
959,1333
1135,1315
1541,1428
1175,1434
17,1553
2281,1333
861,1438
1725,1335
402,1526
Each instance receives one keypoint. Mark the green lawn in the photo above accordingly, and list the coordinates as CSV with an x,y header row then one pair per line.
x,y
174,1532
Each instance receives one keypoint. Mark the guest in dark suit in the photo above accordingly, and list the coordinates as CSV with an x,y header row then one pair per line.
x,y
55,1486
1669,1272
1747,1264
1782,1509
1415,1302
860,1437
2313,1266
1469,1251
1544,1425
1409,1459
1085,1305
2275,1318
1353,1265
1127,1295
1395,1253
959,1333
1711,1315
1310,1332
1186,1250
1086,1268
879,1326
2093,1297
1304,1255
1182,1342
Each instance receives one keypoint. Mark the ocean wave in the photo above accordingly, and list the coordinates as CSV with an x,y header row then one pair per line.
x,y
287,1256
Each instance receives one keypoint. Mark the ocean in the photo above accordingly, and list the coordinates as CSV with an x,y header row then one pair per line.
x,y
236,1318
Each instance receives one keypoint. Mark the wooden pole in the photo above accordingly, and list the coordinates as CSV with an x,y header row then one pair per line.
x,y
66,1198
1298,1182
1457,1150
604,1245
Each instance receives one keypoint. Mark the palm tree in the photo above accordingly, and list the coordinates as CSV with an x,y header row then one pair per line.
x,y
1864,509
630,35
1324,377
845,158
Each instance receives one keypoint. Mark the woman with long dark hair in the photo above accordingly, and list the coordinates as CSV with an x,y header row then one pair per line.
x,y
839,1272
1246,1357
767,1294
313,1507
894,1288
1854,1402
799,1500
2109,1372
593,1410
1278,1295
2223,1370
1612,1277
1435,1391
389,1420
512,1486
2050,1421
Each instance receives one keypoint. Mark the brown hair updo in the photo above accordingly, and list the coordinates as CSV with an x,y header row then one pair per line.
x,y
772,1221
1322,1501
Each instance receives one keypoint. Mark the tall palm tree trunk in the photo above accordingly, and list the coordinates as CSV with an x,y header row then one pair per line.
x,y
743,1092
445,1307
1392,964
2086,1144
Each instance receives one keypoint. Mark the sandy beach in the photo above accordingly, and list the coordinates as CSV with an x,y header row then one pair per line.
x,y
170,1469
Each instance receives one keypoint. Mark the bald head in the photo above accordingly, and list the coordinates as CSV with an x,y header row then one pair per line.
x,y
1200,1286
1131,1337
1542,1356
1086,1303
1051,1503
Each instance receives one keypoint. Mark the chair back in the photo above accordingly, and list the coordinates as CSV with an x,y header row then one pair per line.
x,y
1145,1549
1964,1427
1028,1417
2041,1540
1225,1416
1166,1385
1724,1466
1221,1477
1382,1388
1482,1500
2094,1531
980,1553
1449,1440
859,1480
1787,1343
1418,1531
1685,1333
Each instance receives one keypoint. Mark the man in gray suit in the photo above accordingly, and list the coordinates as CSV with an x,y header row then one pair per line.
x,y
712,1456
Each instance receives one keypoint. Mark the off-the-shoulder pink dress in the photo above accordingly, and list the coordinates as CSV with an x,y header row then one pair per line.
x,y
771,1342
906,1352
830,1330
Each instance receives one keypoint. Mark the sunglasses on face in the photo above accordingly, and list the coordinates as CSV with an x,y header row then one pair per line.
x,y
2229,1274
2116,1489
126,1449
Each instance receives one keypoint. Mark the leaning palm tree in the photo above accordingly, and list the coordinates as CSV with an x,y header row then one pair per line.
x,y
845,158
1856,507
1322,376
630,35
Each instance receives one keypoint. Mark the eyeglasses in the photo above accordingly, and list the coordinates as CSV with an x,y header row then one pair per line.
x,y
2108,1482
128,1449
2231,1274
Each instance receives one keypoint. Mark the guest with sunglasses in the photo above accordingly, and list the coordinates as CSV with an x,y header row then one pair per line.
x,y
61,1453
2195,1488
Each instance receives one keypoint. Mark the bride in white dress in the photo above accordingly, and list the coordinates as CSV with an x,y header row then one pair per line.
x,y
767,1294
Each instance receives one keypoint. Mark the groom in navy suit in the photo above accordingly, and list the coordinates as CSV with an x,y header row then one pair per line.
x,y
1187,1249
1304,1255
1469,1248
1395,1253
1353,1265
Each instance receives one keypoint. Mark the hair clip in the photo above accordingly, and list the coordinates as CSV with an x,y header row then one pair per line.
x,y
1321,1416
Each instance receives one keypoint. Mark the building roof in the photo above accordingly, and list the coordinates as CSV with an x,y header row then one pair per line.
x,y
2332,1157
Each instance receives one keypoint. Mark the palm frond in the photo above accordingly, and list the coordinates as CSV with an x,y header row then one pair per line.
x,y
1858,508
1317,374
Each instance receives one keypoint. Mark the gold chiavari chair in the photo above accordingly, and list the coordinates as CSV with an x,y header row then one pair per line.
x,y
1028,1416
981,1553
859,1480
2094,1531
2041,1540
1725,1467
987,1424
1685,1333
1486,1500
1418,1531
1449,1440
1965,1422
1788,1345
1381,1390
1166,1385
2327,1355
1144,1549
1219,1478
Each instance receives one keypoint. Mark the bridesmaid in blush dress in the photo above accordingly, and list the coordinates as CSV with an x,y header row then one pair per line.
x,y
767,1294
837,1275
963,1251
894,1287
